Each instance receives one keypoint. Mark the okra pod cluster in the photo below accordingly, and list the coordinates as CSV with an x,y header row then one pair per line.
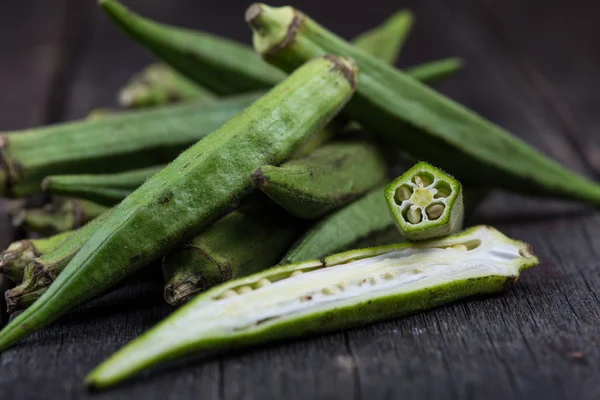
x,y
426,203
196,188
344,290
425,123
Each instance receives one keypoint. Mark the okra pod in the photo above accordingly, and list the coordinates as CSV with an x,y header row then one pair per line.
x,y
159,84
434,71
426,203
40,272
365,219
130,140
105,189
243,242
195,189
339,292
18,254
328,178
60,216
427,124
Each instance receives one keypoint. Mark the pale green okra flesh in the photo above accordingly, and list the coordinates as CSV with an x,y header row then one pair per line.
x,y
339,292
427,124
426,203
217,170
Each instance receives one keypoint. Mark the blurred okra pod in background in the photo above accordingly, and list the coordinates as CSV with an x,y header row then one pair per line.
x,y
426,203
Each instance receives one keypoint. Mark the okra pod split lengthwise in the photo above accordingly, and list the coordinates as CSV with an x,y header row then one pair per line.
x,y
337,292
195,189
130,140
425,123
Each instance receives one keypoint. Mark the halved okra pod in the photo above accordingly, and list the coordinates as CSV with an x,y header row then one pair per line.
x,y
18,254
42,271
243,242
227,67
328,178
105,189
130,140
426,203
159,84
425,123
62,215
194,190
339,292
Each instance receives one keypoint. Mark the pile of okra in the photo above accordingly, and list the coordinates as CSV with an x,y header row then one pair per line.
x,y
259,179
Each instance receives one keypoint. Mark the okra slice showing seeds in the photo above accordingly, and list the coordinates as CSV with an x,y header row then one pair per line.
x,y
247,240
197,188
426,203
428,125
339,292
18,254
328,178
104,189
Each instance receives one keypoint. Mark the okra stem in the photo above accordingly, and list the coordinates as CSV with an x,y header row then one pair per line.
x,y
195,189
427,124
426,203
14,259
105,189
339,292
328,178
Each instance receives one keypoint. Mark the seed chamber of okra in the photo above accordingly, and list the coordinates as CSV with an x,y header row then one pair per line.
x,y
424,198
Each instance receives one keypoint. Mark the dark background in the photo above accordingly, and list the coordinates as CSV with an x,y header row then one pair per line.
x,y
532,66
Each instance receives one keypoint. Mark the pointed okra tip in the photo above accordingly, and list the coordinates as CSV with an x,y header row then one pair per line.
x,y
425,203
272,27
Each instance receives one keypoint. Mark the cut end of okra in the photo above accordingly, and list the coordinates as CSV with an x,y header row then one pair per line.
x,y
338,292
426,203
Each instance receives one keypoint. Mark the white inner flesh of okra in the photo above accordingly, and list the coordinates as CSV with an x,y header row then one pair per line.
x,y
424,194
481,253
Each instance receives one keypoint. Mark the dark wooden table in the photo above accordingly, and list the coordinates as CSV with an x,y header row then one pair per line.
x,y
533,67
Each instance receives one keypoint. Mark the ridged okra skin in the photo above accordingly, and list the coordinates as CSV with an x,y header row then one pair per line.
x,y
243,242
62,215
338,292
330,177
130,140
105,189
18,254
363,222
194,190
425,123
42,271
426,203
159,84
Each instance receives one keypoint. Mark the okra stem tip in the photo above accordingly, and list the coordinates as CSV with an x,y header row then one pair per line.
x,y
252,14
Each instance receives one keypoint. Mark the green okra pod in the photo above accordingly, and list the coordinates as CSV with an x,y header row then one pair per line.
x,y
434,71
159,84
62,215
426,203
105,189
18,254
338,292
427,124
243,242
195,189
130,140
42,271
328,178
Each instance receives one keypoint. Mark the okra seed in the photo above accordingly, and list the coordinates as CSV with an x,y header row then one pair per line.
x,y
296,273
228,293
244,290
342,285
435,211
460,247
330,290
424,179
262,283
402,193
388,275
414,215
441,192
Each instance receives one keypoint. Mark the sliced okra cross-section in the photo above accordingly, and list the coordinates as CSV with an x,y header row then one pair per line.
x,y
426,203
